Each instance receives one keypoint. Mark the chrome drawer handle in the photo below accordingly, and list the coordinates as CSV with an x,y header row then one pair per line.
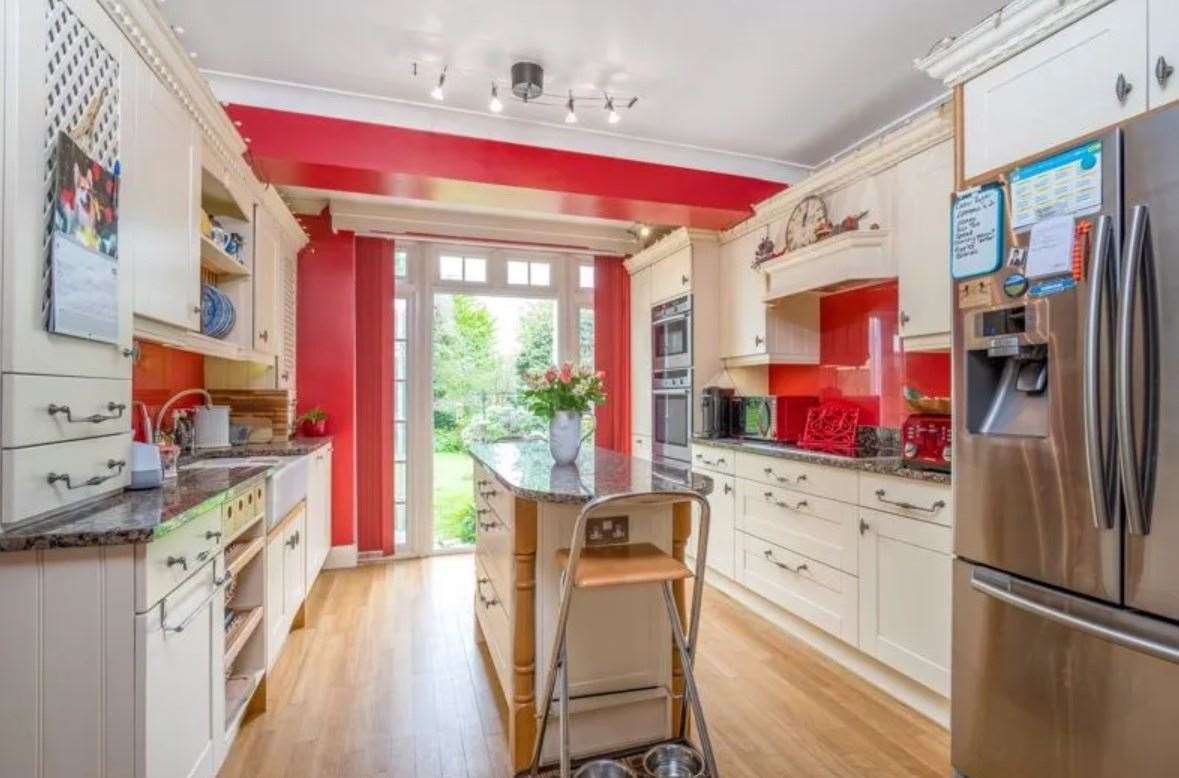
x,y
908,506
783,504
112,464
115,409
487,603
217,584
213,535
488,493
796,570
785,479
488,525
728,489
178,560
711,462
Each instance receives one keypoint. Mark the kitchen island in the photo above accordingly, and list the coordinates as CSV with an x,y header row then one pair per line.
x,y
625,682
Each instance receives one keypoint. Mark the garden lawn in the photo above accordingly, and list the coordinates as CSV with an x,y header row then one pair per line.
x,y
454,501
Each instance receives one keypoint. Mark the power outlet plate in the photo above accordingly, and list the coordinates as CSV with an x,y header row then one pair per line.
x,y
607,530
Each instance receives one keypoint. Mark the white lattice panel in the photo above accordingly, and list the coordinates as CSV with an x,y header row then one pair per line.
x,y
286,360
80,73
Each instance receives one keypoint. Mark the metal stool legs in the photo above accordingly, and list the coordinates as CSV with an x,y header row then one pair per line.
x,y
685,644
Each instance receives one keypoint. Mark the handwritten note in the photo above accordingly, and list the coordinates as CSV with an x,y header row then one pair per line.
x,y
976,232
1050,248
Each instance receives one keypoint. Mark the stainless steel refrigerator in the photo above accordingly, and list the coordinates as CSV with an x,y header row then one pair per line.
x,y
1066,475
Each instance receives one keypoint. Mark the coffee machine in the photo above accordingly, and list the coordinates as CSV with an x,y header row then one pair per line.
x,y
716,412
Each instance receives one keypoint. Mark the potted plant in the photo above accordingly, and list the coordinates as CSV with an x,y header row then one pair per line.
x,y
561,396
313,422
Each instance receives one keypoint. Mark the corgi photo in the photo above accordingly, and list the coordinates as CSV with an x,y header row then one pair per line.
x,y
86,201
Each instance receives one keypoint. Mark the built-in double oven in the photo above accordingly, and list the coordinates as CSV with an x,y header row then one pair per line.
x,y
671,379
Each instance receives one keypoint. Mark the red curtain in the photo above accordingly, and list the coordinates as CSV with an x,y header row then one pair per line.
x,y
374,394
612,351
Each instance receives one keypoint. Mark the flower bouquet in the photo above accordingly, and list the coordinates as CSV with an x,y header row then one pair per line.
x,y
561,396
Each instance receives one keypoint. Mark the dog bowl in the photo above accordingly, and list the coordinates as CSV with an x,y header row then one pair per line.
x,y
673,760
604,768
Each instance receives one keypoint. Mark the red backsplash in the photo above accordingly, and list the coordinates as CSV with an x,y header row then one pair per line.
x,y
161,372
861,358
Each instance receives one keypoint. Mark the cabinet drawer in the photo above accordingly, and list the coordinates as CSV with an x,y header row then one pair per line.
x,y
717,460
496,626
188,547
496,497
242,509
832,482
28,491
641,447
822,529
493,545
96,406
811,590
906,497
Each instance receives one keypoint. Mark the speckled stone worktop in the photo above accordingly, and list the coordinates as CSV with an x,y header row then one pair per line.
x,y
279,448
880,465
527,470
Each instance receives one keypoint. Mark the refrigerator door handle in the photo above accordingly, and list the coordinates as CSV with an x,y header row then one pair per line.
x,y
1100,435
1122,628
1137,475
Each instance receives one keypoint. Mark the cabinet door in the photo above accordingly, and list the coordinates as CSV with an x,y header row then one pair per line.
x,y
161,206
318,539
742,290
721,532
922,238
266,262
1164,52
275,617
672,276
640,352
294,566
1061,88
325,528
905,568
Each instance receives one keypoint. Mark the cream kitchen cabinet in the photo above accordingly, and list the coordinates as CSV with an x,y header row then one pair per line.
x,y
319,512
757,333
286,579
1089,75
640,352
160,214
672,276
722,503
267,263
921,239
1163,52
905,567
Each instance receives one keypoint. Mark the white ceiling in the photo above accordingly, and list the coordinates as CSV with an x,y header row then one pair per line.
x,y
787,81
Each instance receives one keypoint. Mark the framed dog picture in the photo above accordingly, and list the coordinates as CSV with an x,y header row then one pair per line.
x,y
86,199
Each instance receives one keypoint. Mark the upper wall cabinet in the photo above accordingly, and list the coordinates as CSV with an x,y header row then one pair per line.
x,y
58,61
162,202
266,283
921,239
672,276
1092,74
1163,52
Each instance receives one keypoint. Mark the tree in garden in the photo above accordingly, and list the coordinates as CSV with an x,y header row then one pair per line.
x,y
535,338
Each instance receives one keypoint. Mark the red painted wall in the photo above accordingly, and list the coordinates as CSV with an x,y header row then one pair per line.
x,y
326,356
861,358
374,394
161,372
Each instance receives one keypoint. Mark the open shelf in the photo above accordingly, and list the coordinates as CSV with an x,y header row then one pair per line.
x,y
239,554
215,260
238,690
240,632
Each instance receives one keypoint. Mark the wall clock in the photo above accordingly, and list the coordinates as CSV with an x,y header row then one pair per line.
x,y
804,221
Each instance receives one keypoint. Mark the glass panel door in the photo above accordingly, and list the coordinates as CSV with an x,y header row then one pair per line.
x,y
400,420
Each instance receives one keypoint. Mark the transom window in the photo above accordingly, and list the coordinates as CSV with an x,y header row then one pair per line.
x,y
585,276
523,273
472,270
400,263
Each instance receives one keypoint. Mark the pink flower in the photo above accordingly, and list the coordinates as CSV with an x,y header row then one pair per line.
x,y
600,375
566,374
550,375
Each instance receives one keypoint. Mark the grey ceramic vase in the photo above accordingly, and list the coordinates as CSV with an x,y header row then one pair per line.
x,y
565,436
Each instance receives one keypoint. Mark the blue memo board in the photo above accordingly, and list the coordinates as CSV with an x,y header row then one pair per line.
x,y
976,231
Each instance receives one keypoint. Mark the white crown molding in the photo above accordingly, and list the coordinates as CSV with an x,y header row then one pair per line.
x,y
152,38
669,244
1005,33
392,220
320,101
919,134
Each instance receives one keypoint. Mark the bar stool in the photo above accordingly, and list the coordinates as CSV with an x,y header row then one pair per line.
x,y
627,565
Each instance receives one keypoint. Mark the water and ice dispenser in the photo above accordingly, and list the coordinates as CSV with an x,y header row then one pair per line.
x,y
1007,359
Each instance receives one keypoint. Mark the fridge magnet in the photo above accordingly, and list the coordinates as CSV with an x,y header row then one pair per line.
x,y
85,207
1052,286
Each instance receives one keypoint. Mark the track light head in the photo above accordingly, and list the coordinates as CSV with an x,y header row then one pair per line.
x,y
437,92
495,104
570,115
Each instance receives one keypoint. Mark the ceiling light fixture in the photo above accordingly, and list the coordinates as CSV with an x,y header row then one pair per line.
x,y
613,118
570,115
436,92
495,104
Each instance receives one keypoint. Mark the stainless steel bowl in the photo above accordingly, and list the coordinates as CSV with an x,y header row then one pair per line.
x,y
673,760
604,768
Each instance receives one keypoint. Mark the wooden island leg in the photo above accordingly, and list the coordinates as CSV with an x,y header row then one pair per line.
x,y
522,706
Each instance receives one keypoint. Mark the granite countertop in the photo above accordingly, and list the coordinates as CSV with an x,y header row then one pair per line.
x,y
132,516
885,465
527,470
279,448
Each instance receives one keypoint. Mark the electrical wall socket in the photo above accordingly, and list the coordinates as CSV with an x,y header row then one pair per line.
x,y
607,530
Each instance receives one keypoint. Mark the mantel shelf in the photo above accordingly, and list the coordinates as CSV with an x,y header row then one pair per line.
x,y
838,263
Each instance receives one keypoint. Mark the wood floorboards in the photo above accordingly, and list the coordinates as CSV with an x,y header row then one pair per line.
x,y
387,680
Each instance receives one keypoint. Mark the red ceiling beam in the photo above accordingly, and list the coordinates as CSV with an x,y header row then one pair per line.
x,y
351,156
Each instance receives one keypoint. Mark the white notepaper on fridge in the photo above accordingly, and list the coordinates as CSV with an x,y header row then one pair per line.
x,y
1050,248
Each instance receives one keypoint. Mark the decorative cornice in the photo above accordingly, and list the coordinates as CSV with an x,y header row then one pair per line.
x,y
153,40
919,134
667,245
1013,28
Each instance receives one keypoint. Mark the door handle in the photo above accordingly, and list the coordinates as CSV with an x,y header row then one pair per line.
x,y
1162,70
864,527
1122,88
1100,438
115,411
1100,621
936,506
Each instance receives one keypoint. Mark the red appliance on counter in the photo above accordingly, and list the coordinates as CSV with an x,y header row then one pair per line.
x,y
925,441
773,417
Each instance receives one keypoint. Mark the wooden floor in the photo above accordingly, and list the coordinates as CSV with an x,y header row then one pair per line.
x,y
387,680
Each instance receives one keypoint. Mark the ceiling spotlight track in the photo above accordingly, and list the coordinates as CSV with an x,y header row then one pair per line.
x,y
526,85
